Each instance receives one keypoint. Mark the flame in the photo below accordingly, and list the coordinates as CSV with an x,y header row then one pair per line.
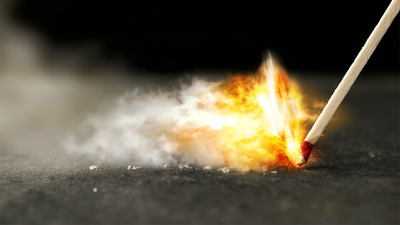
x,y
266,128
255,120
246,122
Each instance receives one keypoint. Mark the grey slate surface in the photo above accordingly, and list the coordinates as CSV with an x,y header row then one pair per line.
x,y
356,180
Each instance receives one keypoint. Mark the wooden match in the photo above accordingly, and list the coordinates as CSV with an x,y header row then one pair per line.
x,y
347,81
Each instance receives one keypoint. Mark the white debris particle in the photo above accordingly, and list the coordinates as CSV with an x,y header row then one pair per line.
x,y
207,168
95,190
93,167
184,166
187,166
129,167
372,155
225,169
274,171
135,167
246,169
166,165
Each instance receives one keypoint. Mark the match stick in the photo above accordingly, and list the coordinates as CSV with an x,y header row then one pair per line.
x,y
347,81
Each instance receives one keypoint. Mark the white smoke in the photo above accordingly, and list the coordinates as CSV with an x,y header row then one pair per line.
x,y
52,105
142,127
57,102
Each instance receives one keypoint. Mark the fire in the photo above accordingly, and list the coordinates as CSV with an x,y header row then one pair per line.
x,y
256,121
246,122
266,118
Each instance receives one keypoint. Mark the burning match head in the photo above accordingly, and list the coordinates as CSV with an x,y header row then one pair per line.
x,y
305,151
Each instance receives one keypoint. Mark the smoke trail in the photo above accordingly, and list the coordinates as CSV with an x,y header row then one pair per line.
x,y
143,126
51,105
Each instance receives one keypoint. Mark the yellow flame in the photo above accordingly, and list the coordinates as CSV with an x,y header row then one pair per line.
x,y
257,120
266,119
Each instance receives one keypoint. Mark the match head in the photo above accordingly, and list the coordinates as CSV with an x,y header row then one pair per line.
x,y
305,151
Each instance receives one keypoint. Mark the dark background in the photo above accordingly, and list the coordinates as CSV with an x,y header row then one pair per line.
x,y
181,36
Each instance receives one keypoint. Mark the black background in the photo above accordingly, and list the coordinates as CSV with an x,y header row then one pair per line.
x,y
176,36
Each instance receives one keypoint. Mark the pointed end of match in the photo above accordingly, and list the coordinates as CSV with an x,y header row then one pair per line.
x,y
305,151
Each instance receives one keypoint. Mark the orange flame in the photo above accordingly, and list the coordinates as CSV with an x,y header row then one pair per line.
x,y
257,121
267,118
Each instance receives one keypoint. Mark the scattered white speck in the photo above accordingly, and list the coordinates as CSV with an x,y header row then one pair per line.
x,y
184,166
372,155
207,168
133,167
93,167
274,171
263,173
166,165
95,190
224,169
